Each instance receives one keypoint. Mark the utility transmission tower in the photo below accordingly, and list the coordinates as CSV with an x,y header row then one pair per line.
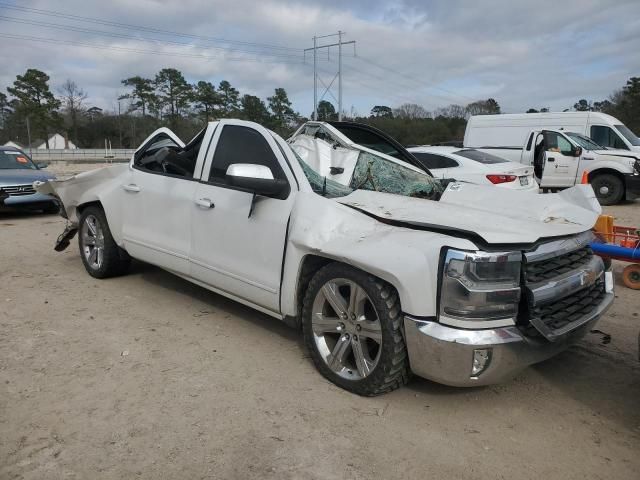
x,y
338,75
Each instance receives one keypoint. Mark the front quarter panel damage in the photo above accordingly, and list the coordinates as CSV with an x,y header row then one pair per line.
x,y
406,258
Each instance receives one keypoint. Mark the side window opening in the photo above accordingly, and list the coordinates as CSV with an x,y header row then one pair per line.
x,y
554,142
239,144
163,155
607,137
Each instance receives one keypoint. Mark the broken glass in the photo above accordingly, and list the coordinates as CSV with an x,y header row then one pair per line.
x,y
378,174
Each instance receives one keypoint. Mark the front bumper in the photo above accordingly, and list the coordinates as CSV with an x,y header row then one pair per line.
x,y
445,354
32,201
632,186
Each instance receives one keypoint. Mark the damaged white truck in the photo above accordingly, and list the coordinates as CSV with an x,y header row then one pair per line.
x,y
387,270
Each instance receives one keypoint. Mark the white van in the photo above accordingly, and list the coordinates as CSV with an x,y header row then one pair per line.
x,y
605,130
555,145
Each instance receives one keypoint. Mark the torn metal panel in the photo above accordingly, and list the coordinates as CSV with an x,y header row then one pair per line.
x,y
498,216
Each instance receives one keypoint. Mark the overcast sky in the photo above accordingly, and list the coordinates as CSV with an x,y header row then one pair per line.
x,y
523,54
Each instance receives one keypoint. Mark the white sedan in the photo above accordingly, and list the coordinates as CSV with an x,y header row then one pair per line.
x,y
474,166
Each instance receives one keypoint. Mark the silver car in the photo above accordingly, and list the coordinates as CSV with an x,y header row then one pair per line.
x,y
17,174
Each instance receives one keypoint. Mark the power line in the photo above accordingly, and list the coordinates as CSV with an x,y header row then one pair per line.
x,y
395,71
133,37
136,50
52,13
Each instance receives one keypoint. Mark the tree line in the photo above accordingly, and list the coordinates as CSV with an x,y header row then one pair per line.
x,y
149,103
168,99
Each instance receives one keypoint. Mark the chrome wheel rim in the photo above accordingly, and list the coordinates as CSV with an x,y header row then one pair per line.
x,y
346,329
92,238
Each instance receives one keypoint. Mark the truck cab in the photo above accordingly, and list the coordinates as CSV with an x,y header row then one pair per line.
x,y
560,158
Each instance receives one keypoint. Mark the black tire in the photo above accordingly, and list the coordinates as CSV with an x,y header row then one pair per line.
x,y
609,188
115,261
392,368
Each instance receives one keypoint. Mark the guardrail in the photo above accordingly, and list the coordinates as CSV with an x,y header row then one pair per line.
x,y
82,155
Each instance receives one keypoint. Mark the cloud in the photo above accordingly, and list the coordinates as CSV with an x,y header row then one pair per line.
x,y
524,54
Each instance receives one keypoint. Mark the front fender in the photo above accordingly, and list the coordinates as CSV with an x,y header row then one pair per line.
x,y
406,258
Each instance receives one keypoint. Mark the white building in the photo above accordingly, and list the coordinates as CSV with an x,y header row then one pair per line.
x,y
13,144
56,142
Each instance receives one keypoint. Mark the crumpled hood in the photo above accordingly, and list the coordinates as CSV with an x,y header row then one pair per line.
x,y
23,176
497,215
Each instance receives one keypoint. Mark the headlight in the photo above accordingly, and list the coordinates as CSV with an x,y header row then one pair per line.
x,y
480,290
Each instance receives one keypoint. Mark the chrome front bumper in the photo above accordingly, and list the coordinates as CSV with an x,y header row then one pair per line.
x,y
445,354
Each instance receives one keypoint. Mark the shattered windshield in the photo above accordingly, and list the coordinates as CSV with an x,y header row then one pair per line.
x,y
378,174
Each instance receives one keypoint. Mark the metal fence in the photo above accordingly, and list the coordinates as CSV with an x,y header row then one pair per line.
x,y
82,155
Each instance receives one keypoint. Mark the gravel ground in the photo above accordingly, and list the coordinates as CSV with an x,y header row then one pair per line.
x,y
149,376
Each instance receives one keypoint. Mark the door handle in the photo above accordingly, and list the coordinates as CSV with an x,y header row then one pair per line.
x,y
133,188
205,203
551,159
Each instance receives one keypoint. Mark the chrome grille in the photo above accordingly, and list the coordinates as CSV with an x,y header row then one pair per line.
x,y
548,269
19,190
559,315
564,285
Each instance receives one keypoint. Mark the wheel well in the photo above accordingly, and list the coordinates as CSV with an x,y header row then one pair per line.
x,y
310,265
80,208
602,171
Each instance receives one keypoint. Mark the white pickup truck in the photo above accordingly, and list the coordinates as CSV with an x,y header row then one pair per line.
x,y
387,271
561,157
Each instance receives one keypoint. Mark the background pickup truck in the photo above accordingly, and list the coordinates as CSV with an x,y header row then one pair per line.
x,y
560,157
385,269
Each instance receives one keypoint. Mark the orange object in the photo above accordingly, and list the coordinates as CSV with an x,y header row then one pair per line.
x,y
585,177
631,276
604,227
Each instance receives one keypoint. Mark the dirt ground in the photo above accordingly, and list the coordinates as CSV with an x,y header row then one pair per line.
x,y
149,376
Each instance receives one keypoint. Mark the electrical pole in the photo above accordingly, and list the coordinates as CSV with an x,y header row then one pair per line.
x,y
29,136
315,78
338,75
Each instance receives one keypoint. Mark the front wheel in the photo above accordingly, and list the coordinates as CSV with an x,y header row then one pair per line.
x,y
352,323
609,188
100,254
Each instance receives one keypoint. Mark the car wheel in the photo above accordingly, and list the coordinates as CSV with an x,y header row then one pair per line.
x,y
351,322
101,256
609,189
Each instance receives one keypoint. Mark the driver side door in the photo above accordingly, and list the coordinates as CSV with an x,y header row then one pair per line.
x,y
560,164
238,238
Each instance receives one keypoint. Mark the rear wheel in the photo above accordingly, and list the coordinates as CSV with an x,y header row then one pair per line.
x,y
352,327
101,256
609,188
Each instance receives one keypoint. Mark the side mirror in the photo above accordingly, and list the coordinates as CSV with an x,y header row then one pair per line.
x,y
577,152
257,179
42,165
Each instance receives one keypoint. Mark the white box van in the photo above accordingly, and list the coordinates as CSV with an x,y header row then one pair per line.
x,y
603,129
558,146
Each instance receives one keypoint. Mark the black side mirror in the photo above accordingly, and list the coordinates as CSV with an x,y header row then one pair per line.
x,y
257,179
577,152
42,165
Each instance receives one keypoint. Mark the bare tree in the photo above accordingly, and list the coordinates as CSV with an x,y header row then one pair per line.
x,y
73,98
410,111
451,111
